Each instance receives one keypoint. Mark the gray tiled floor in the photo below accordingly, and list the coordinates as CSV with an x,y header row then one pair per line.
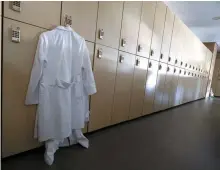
x,y
183,138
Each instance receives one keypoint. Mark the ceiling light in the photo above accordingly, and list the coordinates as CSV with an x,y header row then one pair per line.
x,y
216,18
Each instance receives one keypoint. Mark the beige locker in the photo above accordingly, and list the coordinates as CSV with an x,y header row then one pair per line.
x,y
109,23
146,28
168,87
84,17
159,89
174,90
158,31
45,14
178,59
130,26
123,86
167,36
18,120
90,46
105,64
150,87
138,87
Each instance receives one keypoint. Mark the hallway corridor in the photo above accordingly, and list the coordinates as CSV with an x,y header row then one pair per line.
x,y
182,138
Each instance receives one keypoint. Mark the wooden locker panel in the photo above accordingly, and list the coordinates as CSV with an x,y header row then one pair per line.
x,y
174,90
150,87
146,28
168,87
18,120
158,29
130,26
84,17
138,87
123,86
109,20
105,66
44,14
167,36
161,77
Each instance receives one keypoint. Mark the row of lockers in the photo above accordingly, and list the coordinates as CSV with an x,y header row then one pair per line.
x,y
130,84
148,29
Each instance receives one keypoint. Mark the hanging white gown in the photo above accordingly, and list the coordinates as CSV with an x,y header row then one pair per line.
x,y
61,80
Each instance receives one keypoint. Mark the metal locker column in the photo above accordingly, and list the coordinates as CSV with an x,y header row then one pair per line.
x,y
105,64
123,86
161,77
146,28
158,31
109,23
43,14
84,17
138,87
130,26
174,90
167,36
168,87
18,120
150,86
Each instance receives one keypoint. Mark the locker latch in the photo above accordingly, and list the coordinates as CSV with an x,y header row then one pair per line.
x,y
160,67
184,72
100,53
16,6
193,67
137,62
176,61
181,63
188,73
169,59
189,66
151,52
67,20
101,34
174,70
121,59
161,56
180,71
150,64
140,48
15,35
123,42
168,69
186,65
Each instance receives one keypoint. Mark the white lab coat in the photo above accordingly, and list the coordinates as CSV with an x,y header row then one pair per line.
x,y
61,80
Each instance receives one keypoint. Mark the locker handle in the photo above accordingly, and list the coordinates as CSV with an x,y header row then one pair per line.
x,y
100,53
121,59
137,62
176,61
189,66
150,64
123,42
160,67
161,56
101,34
168,69
188,73
184,72
180,72
181,63
193,67
151,52
140,48
186,65
174,70
169,59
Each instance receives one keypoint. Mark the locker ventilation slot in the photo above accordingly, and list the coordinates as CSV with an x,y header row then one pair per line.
x,y
16,6
16,35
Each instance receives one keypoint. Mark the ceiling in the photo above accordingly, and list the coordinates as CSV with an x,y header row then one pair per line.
x,y
197,15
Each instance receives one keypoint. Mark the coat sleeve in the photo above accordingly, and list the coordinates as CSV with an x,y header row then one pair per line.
x,y
87,74
32,96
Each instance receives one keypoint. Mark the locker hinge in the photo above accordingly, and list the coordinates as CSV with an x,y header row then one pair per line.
x,y
123,42
137,62
15,35
121,59
140,48
100,53
16,6
101,34
161,56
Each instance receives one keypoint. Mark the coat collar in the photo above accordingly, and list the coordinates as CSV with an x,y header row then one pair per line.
x,y
68,28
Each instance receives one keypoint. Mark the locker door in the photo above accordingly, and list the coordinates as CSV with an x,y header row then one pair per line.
x,y
84,16
174,90
18,120
138,87
44,14
168,87
150,87
130,26
90,46
109,23
167,36
146,28
158,31
181,88
123,86
105,64
161,77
